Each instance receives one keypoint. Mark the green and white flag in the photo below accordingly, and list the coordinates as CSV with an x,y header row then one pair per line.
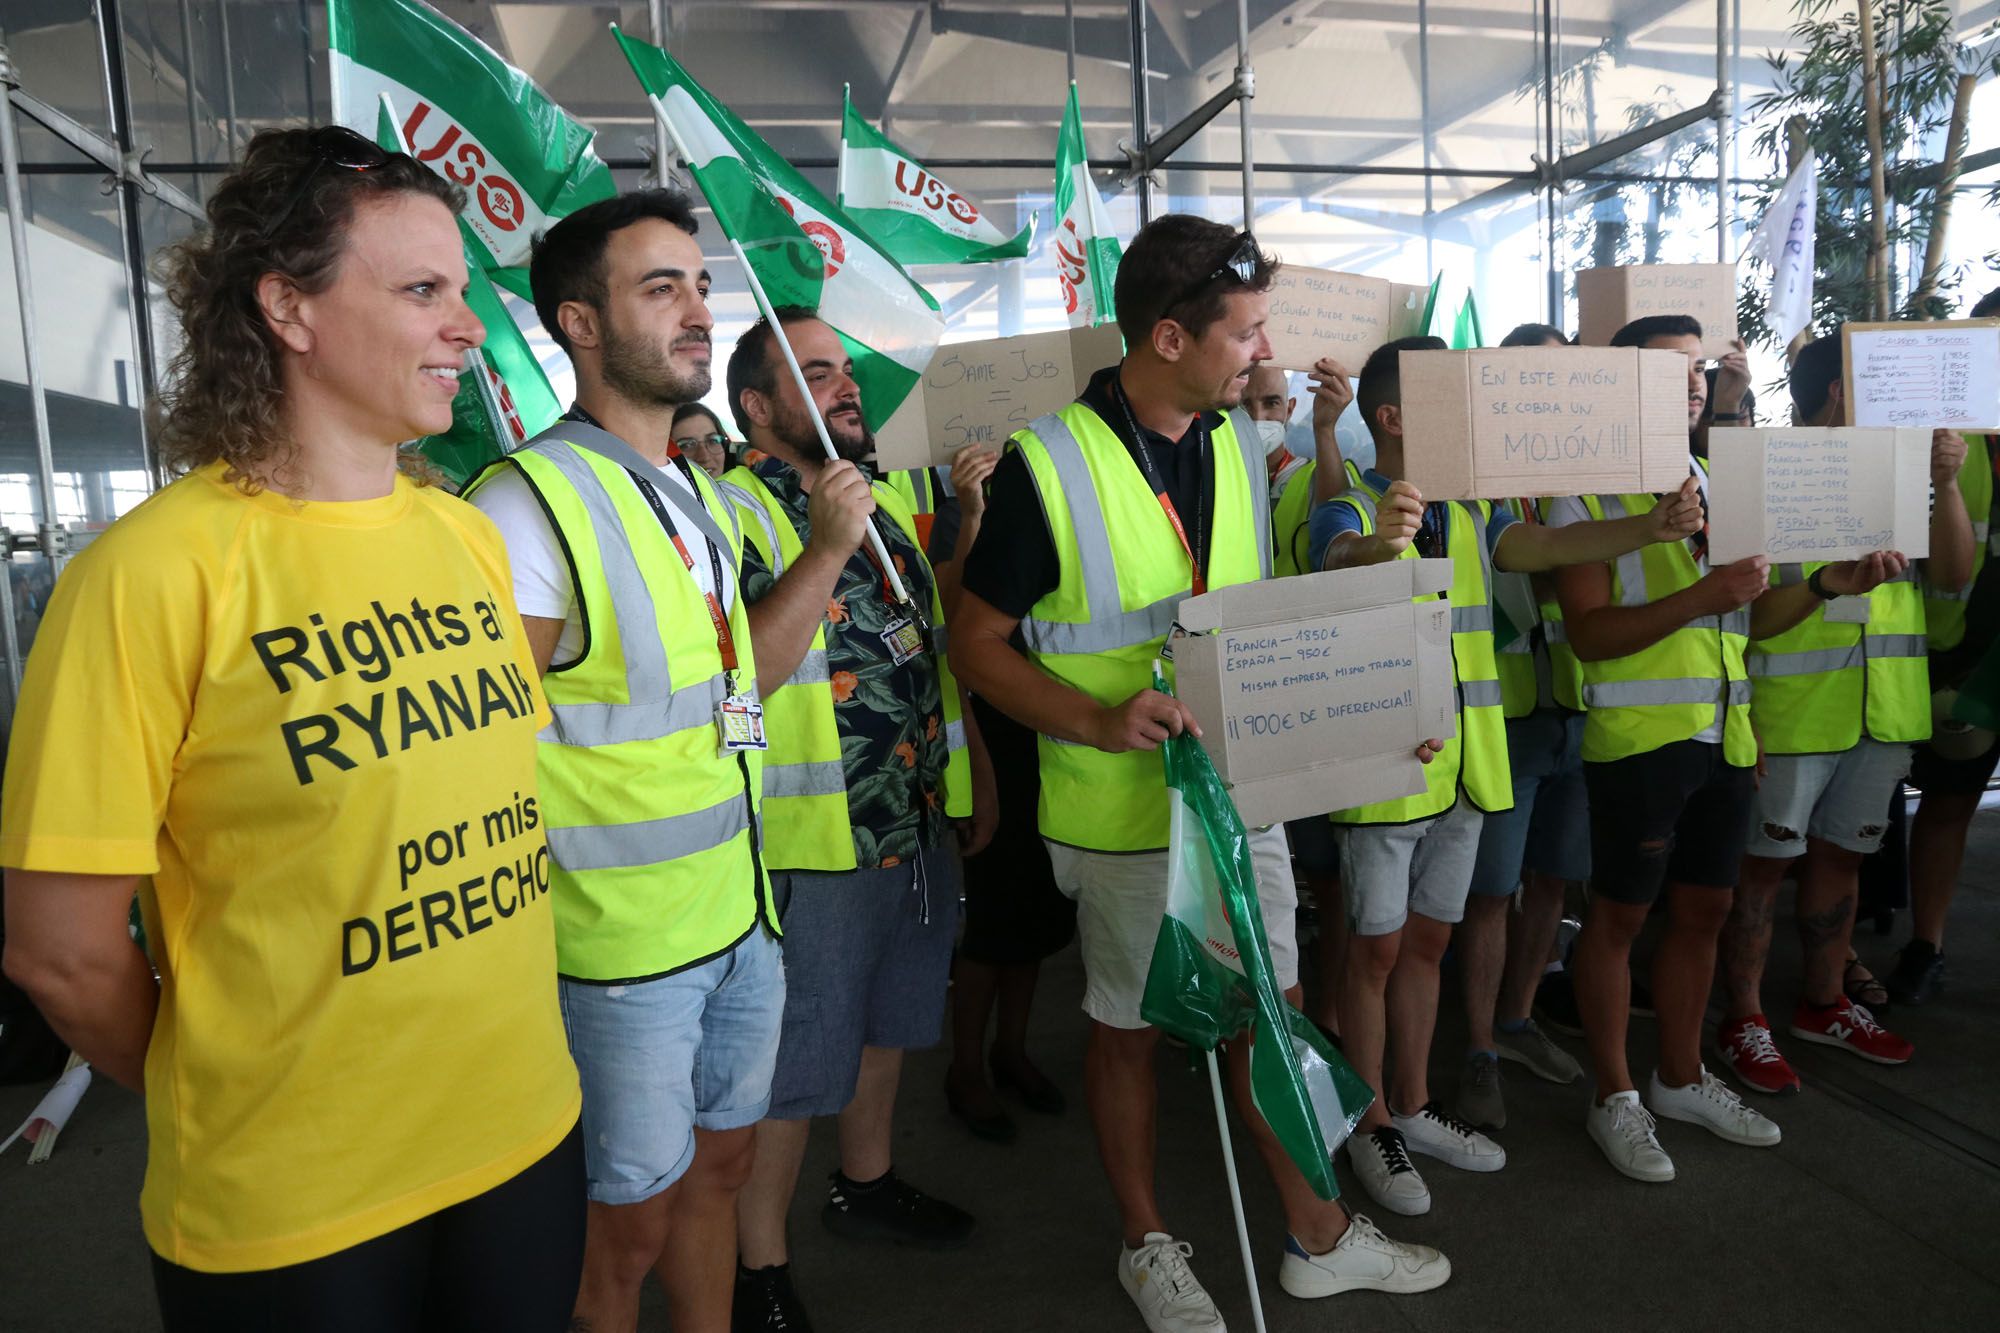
x,y
804,248
472,117
1085,247
902,204
1465,334
1211,974
514,402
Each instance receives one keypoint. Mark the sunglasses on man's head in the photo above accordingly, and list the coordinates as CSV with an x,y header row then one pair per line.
x,y
1244,257
332,146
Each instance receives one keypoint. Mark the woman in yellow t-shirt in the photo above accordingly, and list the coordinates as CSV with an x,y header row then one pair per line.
x,y
289,702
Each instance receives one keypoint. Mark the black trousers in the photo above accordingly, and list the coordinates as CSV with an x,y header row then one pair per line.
x,y
506,1261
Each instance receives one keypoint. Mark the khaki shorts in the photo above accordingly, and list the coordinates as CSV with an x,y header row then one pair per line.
x,y
1120,900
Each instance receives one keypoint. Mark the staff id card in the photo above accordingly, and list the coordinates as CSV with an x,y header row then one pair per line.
x,y
904,639
739,721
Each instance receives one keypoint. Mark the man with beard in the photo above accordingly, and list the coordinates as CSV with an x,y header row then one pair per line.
x,y
869,766
626,564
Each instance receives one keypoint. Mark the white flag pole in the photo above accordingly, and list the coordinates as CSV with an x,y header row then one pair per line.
x,y
1235,1194
475,360
764,307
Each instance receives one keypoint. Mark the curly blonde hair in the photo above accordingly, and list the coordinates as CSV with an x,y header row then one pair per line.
x,y
224,395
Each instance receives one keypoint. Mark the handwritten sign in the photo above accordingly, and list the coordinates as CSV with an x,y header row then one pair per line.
x,y
1818,494
1607,299
1509,421
1406,311
1314,692
982,392
1316,312
1944,373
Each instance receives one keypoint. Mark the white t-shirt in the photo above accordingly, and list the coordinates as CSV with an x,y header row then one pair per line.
x,y
542,584
1569,509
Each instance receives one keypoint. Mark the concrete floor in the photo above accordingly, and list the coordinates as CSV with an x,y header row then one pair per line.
x,y
1881,1210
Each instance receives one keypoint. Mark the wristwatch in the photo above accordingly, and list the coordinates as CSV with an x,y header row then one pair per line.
x,y
1818,585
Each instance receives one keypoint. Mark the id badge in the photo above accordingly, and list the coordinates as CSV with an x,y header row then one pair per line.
x,y
739,720
1847,611
903,639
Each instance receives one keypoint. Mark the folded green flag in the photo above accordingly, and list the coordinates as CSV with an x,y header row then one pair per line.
x,y
910,212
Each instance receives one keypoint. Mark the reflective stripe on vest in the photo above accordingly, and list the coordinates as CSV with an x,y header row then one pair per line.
x,y
1114,546
1291,513
649,828
1475,760
1671,690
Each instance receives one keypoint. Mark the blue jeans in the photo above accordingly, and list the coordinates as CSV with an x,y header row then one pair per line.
x,y
1548,830
659,1059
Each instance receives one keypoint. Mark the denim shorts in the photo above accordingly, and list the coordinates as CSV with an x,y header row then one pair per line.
x,y
660,1059
1679,814
1548,830
1388,871
1841,798
867,963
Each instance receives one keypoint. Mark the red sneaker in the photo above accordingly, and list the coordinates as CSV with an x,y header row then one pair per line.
x,y
1746,1047
1851,1026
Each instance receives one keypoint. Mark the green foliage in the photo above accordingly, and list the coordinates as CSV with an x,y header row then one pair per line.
x,y
1919,60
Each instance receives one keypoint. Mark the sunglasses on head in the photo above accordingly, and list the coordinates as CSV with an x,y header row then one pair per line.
x,y
1244,257
332,146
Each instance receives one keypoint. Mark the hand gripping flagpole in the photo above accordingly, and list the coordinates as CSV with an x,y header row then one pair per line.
x,y
1235,1194
765,308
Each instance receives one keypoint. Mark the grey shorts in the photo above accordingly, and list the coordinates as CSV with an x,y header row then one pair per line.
x,y
1841,798
867,960
1388,871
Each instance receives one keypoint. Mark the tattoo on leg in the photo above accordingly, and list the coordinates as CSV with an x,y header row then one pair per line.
x,y
1819,929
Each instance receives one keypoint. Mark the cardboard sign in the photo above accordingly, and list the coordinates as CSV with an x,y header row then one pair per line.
x,y
982,392
1607,299
1940,374
1509,421
1818,494
1314,692
1406,312
1316,312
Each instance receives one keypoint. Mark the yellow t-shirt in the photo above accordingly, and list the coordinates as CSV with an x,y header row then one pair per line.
x,y
314,727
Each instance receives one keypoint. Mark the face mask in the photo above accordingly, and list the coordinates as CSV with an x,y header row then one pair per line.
x,y
1273,435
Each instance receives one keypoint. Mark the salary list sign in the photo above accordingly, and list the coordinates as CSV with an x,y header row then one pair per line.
x,y
982,392
1510,421
1939,374
1607,299
1818,494
1314,692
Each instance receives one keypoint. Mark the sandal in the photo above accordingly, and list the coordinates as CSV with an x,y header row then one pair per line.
x,y
1864,987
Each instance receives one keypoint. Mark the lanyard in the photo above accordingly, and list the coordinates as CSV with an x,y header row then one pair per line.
x,y
725,639
1151,473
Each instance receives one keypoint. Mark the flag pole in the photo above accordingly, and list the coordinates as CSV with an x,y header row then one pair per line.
x,y
475,360
1235,1194
765,308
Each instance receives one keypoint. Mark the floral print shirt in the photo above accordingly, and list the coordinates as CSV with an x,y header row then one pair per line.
x,y
891,718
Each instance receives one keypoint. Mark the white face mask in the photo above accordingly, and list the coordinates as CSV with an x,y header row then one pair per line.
x,y
1273,435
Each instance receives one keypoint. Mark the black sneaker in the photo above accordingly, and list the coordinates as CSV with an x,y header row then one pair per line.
x,y
1555,1004
894,1211
1918,975
766,1303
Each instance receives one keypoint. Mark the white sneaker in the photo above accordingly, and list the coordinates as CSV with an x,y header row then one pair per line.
x,y
1624,1130
1712,1105
1364,1260
1382,1161
1435,1132
1157,1278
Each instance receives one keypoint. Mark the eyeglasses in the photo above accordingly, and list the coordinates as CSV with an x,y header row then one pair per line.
x,y
332,145
692,442
1244,257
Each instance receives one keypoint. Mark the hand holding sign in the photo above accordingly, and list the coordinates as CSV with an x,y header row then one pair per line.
x,y
1732,380
1947,457
1734,586
970,467
1399,516
1856,578
1332,391
1678,514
